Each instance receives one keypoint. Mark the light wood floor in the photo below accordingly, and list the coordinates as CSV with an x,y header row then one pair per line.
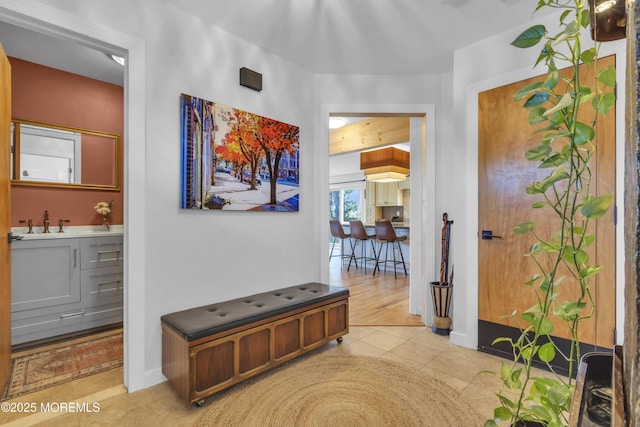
x,y
375,301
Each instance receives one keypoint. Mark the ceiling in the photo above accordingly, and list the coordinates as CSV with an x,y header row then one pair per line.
x,y
364,36
62,55
322,36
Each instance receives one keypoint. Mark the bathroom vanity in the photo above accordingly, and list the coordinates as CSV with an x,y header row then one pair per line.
x,y
65,282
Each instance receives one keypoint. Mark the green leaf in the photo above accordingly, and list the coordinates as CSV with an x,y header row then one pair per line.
x,y
533,279
535,188
545,285
564,102
541,412
552,79
524,228
527,90
490,423
572,28
538,205
556,422
515,382
538,153
575,256
587,97
588,55
528,352
501,339
583,134
530,37
545,54
590,271
547,352
551,136
604,103
559,395
568,311
543,326
501,414
607,76
585,18
536,116
558,174
505,371
528,317
534,309
553,161
589,239
537,99
597,207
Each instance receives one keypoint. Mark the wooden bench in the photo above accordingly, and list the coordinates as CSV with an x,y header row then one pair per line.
x,y
211,348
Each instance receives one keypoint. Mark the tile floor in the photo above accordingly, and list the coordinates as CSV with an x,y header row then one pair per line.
x,y
418,347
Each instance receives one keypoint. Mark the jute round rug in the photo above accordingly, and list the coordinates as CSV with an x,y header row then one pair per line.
x,y
340,390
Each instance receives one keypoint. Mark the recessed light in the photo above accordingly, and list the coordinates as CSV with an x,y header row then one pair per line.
x,y
118,59
336,122
605,5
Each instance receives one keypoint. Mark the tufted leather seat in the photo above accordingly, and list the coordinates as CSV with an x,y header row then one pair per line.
x,y
210,319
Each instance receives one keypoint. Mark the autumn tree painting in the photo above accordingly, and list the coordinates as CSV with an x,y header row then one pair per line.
x,y
240,153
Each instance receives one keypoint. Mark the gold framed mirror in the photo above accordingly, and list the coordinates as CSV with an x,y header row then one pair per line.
x,y
48,155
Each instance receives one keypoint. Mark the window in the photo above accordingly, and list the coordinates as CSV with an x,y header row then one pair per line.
x,y
345,204
48,154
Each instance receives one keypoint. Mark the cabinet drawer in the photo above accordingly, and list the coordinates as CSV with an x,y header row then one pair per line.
x,y
101,252
101,286
35,327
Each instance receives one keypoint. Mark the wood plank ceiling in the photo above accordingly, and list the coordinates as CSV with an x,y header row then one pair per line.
x,y
370,133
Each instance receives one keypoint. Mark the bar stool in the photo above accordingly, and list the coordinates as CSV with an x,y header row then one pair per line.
x,y
385,234
359,233
337,232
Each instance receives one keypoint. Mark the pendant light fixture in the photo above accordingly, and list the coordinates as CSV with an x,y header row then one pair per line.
x,y
385,165
608,20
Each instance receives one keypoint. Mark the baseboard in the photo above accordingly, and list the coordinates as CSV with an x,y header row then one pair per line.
x,y
489,331
462,340
153,377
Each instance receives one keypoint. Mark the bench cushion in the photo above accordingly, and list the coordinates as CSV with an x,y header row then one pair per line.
x,y
207,320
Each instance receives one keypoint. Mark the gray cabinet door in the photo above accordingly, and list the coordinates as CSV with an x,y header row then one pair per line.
x,y
44,273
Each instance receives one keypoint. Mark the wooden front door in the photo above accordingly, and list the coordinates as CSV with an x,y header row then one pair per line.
x,y
503,137
5,220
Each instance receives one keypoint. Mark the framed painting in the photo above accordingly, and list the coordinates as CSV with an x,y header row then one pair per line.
x,y
235,160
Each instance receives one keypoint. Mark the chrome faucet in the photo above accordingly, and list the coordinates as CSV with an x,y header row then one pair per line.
x,y
46,222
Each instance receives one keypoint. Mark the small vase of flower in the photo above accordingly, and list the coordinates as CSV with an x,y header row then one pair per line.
x,y
104,209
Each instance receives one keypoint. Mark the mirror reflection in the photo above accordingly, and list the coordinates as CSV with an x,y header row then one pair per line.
x,y
51,155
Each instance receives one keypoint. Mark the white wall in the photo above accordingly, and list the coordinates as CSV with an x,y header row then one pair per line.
x,y
189,258
488,64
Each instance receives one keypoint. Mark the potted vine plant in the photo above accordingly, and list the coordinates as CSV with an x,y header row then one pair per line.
x,y
564,149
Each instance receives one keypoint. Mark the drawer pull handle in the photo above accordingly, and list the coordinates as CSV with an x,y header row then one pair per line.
x,y
108,282
65,316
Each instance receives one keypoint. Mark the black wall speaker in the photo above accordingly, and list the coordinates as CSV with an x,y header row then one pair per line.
x,y
250,79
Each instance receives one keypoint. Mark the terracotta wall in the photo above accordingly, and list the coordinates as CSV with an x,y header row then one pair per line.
x,y
48,95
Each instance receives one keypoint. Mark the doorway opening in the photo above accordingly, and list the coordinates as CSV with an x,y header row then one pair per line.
x,y
110,327
414,307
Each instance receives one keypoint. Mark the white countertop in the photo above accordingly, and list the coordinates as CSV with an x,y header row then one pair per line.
x,y
69,232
